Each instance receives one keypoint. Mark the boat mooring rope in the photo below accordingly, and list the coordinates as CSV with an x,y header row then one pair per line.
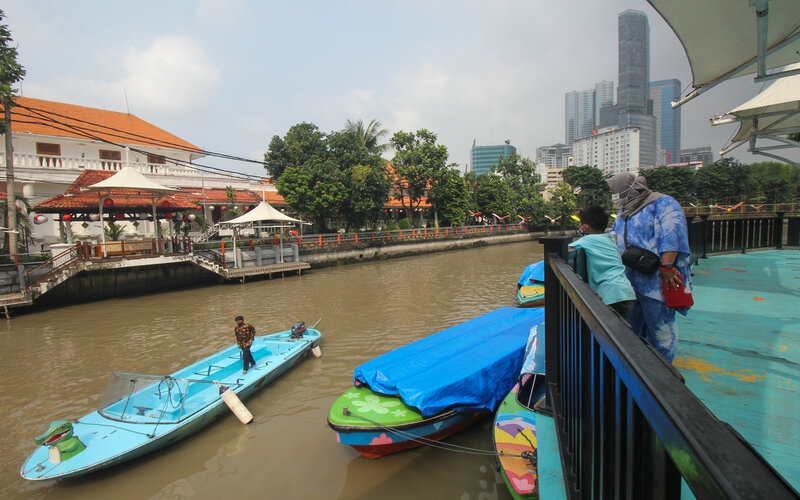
x,y
426,441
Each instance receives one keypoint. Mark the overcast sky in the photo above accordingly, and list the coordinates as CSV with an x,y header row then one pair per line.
x,y
228,75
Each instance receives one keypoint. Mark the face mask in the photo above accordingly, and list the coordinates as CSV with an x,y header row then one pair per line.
x,y
615,199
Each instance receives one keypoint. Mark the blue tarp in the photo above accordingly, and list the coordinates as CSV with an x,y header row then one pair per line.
x,y
533,272
472,365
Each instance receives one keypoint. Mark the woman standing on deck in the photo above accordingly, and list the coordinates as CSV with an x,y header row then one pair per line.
x,y
655,222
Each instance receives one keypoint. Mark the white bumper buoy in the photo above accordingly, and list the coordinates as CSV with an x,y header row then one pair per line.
x,y
316,351
235,404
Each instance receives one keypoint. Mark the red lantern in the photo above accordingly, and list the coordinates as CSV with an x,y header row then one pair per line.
x,y
108,202
165,204
66,217
39,219
294,232
169,215
119,216
247,207
185,218
223,207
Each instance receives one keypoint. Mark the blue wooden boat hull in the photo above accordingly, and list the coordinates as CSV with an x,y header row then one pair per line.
x,y
163,413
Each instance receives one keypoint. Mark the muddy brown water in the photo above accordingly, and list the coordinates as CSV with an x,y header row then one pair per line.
x,y
55,365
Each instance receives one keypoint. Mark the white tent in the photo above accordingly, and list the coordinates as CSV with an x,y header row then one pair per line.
x,y
724,39
771,115
263,215
129,178
263,212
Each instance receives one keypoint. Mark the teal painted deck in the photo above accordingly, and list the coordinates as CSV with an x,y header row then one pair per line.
x,y
739,350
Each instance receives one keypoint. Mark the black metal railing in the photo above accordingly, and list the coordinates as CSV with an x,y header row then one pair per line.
x,y
627,425
739,233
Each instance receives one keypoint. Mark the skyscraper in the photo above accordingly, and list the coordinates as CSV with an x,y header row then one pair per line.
x,y
633,91
668,132
582,110
485,157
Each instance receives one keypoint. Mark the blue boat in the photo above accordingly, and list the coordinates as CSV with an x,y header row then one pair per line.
x,y
142,413
434,387
530,285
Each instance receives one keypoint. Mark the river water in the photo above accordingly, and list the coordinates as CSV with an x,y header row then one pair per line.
x,y
55,365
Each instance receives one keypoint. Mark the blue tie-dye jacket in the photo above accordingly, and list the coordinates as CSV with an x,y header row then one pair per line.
x,y
659,227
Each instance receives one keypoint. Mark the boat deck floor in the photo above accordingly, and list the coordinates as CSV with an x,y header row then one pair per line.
x,y
739,349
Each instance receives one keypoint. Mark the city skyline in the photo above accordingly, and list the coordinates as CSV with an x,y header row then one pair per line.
x,y
229,75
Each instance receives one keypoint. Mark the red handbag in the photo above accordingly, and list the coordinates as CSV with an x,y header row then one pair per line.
x,y
676,298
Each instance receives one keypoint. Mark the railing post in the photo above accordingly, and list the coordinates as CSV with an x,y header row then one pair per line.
x,y
554,247
779,230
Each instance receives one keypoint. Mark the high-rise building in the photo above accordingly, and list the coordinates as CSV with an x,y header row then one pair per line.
x,y
555,156
612,150
582,110
668,119
701,153
603,98
485,157
579,114
634,62
633,90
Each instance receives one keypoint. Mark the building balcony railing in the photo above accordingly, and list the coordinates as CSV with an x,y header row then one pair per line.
x,y
37,161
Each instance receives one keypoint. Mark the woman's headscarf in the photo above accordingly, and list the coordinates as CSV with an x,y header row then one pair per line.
x,y
633,192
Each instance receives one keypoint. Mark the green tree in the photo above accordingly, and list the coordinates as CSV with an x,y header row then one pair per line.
x,y
495,198
677,182
449,196
369,135
520,175
331,177
588,185
417,160
11,72
772,182
561,207
725,181
302,143
369,191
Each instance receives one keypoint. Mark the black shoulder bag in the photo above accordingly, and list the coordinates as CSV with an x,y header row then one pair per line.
x,y
639,258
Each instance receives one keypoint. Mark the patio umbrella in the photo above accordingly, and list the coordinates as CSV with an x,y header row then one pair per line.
x,y
129,178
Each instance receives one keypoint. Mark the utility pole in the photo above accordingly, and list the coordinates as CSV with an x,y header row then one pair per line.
x,y
11,200
11,72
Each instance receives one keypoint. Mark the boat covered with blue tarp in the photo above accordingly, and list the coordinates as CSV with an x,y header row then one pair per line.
x,y
470,366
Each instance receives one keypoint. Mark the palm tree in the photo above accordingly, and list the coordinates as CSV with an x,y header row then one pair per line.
x,y
370,136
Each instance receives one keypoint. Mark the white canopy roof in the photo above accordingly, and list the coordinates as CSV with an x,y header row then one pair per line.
x,y
772,114
728,38
129,178
263,212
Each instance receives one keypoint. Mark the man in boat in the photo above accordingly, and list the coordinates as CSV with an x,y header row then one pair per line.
x,y
245,333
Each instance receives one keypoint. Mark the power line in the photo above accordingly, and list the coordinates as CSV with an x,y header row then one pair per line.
x,y
89,133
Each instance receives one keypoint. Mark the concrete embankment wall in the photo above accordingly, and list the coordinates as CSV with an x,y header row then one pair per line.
x,y
380,250
124,282
146,279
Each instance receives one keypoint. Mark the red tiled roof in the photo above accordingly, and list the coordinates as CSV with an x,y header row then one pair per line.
x,y
76,199
58,119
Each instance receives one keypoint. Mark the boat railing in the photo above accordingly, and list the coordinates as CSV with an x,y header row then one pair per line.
x,y
627,425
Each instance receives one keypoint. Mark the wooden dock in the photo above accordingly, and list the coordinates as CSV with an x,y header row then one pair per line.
x,y
242,273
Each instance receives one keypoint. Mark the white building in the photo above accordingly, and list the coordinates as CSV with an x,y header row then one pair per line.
x,y
54,142
612,150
